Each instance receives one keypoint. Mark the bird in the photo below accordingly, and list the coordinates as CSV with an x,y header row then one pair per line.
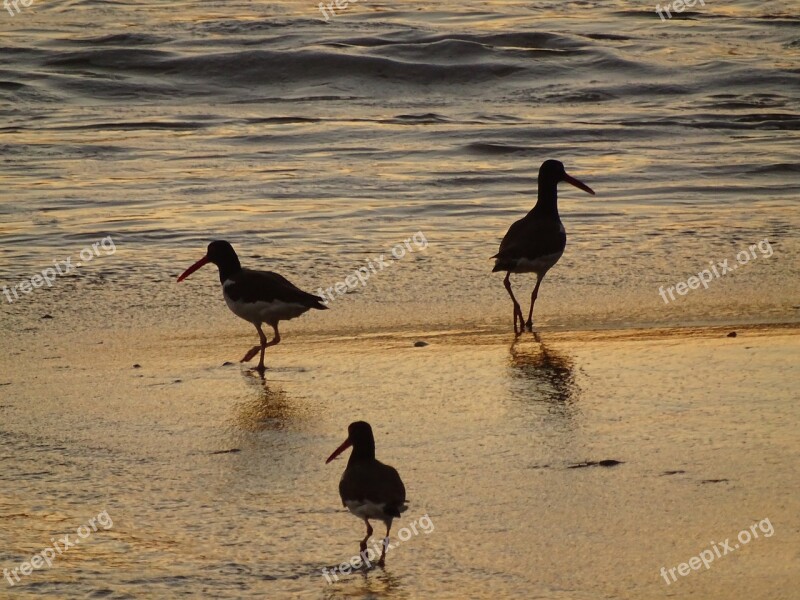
x,y
536,242
369,489
256,296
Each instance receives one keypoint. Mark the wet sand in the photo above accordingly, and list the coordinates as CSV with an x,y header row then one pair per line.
x,y
216,483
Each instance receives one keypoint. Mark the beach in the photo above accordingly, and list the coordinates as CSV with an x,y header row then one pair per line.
x,y
375,154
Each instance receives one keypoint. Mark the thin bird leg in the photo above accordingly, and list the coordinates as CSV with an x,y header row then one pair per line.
x,y
534,295
264,345
363,545
256,349
276,339
517,308
382,561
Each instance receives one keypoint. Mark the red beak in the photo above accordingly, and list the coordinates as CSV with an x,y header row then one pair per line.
x,y
193,268
345,445
578,184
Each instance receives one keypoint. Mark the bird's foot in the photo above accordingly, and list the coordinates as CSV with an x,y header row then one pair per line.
x,y
529,325
251,353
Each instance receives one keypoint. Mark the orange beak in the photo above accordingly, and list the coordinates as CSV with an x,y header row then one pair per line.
x,y
203,261
578,184
345,445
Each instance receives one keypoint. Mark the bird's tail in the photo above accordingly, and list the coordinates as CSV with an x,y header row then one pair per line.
x,y
502,265
395,511
317,303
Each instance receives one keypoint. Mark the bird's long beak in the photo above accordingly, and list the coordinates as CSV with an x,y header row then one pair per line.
x,y
203,261
345,445
578,184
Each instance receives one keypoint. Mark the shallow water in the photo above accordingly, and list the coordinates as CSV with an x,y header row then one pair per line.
x,y
486,434
316,148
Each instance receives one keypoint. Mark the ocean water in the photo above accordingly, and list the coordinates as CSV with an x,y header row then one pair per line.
x,y
316,146
150,128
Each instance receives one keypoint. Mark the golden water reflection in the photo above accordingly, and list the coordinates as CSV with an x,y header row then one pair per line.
x,y
541,374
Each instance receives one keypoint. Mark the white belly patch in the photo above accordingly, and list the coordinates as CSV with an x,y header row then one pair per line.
x,y
537,265
265,312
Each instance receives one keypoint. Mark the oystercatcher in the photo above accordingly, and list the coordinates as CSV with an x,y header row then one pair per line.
x,y
256,296
368,488
536,242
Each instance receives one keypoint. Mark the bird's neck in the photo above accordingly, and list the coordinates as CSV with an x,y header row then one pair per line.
x,y
362,453
547,202
228,269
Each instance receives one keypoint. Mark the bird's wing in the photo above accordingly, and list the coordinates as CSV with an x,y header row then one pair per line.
x,y
265,286
509,239
375,482
528,238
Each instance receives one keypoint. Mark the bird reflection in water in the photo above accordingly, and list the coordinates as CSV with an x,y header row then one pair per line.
x,y
542,374
366,583
268,407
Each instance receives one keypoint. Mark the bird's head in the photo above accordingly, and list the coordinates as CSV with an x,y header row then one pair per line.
x,y
220,253
359,435
552,172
